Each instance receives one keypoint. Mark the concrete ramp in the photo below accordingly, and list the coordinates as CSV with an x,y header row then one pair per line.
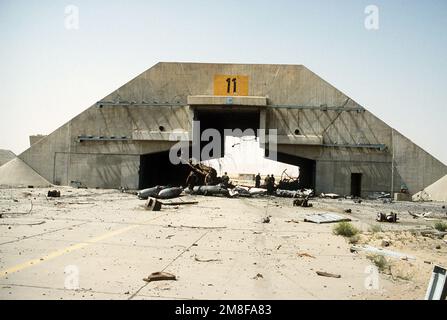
x,y
17,173
434,192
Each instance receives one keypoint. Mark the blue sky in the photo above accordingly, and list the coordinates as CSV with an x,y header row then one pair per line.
x,y
49,74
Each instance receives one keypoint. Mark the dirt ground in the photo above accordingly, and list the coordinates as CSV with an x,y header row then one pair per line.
x,y
100,244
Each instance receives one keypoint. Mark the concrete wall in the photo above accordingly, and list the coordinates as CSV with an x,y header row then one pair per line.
x,y
157,99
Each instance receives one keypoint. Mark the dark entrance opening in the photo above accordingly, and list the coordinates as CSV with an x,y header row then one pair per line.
x,y
307,169
226,118
356,184
157,169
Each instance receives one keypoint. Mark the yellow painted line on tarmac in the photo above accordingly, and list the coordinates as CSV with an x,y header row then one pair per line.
x,y
66,250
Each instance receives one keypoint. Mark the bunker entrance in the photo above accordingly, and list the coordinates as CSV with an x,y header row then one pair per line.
x,y
307,169
221,119
157,169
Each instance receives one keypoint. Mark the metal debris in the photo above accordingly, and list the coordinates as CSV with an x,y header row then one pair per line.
x,y
325,218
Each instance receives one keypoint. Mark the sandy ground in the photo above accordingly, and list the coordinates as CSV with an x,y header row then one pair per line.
x,y
100,244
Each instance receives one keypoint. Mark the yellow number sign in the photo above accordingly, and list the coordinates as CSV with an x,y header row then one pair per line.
x,y
230,85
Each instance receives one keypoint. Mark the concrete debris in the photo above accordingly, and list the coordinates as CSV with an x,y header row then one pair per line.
x,y
390,217
293,221
327,274
348,211
434,192
160,276
357,200
54,194
16,173
382,252
325,218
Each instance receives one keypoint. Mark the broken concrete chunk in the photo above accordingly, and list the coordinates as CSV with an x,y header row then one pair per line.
x,y
160,276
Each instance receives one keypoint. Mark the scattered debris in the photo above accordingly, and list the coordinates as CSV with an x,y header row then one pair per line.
x,y
348,211
325,218
159,276
258,276
266,220
326,274
390,217
293,221
383,252
357,200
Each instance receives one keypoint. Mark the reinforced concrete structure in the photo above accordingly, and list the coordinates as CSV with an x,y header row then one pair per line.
x,y
123,140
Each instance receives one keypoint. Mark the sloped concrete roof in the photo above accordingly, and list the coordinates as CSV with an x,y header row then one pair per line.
x,y
5,156
17,173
